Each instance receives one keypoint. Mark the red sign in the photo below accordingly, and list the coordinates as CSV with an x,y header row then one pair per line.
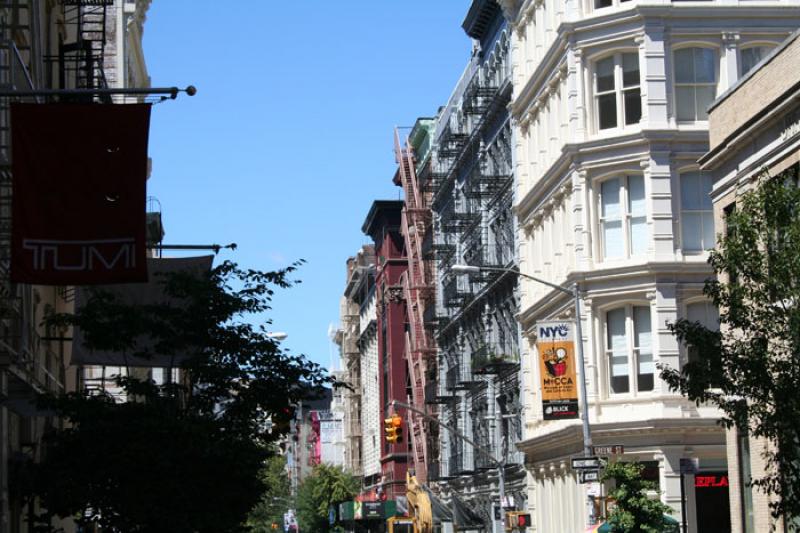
x,y
78,206
705,481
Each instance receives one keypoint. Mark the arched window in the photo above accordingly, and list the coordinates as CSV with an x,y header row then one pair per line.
x,y
697,214
623,217
629,349
695,82
617,92
750,56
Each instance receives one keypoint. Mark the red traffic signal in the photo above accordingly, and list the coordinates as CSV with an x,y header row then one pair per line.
x,y
523,520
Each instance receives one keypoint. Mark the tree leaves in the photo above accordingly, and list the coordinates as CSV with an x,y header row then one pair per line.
x,y
751,369
185,455
635,511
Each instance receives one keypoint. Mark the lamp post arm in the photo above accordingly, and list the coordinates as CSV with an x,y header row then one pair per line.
x,y
451,429
528,276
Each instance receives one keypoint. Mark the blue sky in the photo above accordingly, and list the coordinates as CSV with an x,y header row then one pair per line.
x,y
289,138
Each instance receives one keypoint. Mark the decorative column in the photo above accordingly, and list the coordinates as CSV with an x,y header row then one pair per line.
x,y
729,62
652,66
658,177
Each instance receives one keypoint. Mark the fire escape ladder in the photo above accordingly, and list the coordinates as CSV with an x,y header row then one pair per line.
x,y
81,62
415,222
419,444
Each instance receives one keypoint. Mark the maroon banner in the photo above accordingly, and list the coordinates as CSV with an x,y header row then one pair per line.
x,y
79,186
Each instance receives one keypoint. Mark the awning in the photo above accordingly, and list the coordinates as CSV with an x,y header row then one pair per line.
x,y
150,293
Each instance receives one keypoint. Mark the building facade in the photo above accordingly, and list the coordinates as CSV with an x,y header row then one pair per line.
x,y
47,45
478,337
383,225
358,342
753,128
610,117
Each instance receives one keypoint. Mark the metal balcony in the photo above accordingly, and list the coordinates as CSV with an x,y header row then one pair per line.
x,y
488,360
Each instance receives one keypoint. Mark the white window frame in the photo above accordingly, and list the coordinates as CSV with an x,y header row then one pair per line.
x,y
632,351
626,216
619,90
683,210
675,84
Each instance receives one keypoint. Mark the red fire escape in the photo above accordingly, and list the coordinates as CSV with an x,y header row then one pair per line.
x,y
419,291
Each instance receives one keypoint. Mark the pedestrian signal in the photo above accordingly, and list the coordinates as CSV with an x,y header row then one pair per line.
x,y
393,428
516,520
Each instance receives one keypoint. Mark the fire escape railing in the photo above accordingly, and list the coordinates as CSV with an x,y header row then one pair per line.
x,y
418,291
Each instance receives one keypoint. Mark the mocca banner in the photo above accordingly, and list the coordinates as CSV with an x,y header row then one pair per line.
x,y
555,345
79,186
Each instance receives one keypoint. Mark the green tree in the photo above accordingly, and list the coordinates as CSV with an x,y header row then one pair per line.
x,y
275,501
751,370
635,511
186,456
326,485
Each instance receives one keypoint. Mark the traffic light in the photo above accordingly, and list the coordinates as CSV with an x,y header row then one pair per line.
x,y
523,520
393,428
516,520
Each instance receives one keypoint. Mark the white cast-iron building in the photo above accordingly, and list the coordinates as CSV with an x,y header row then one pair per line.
x,y
609,110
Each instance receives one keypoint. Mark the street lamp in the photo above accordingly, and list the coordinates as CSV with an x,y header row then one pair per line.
x,y
277,335
574,292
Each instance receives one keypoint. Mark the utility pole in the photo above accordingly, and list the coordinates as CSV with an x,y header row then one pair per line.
x,y
574,292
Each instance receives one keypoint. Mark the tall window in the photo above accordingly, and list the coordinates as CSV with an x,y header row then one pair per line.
x,y
618,97
750,56
695,82
629,349
697,215
623,217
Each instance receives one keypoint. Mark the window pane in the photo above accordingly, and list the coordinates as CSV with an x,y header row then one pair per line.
x,y
601,3
617,347
684,65
705,313
630,70
691,227
605,75
638,235
636,199
613,245
642,329
686,106
704,71
704,96
642,332
607,111
706,183
633,106
691,191
609,193
751,56
709,236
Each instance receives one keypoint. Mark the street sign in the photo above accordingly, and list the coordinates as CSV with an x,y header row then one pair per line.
x,y
593,489
609,449
587,463
588,476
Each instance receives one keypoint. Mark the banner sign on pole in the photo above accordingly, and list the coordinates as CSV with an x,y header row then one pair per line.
x,y
78,196
555,345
